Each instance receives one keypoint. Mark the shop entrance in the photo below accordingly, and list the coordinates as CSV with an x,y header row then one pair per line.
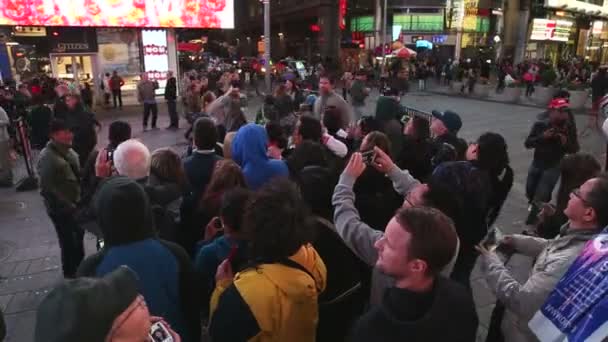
x,y
75,68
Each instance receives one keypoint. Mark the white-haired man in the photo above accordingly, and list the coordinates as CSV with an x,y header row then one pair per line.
x,y
131,159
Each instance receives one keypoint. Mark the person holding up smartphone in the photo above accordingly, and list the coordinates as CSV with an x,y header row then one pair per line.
x,y
551,140
223,239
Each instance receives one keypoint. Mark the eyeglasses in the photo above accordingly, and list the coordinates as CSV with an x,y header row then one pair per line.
x,y
577,193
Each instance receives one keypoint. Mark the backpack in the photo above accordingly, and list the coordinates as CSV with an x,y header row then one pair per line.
x,y
167,219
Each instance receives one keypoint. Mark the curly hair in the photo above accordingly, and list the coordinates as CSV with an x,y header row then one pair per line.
x,y
277,221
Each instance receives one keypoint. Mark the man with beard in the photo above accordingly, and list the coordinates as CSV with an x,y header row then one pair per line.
x,y
329,98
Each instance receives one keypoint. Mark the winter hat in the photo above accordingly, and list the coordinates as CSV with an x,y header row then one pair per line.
x,y
84,309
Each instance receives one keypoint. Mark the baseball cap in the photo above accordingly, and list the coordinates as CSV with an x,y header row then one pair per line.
x,y
559,103
450,119
84,309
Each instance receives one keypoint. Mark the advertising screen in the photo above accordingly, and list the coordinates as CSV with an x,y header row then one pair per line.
x,y
119,13
554,30
156,57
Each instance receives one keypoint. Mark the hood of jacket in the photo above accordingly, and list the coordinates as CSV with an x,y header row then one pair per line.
x,y
123,212
250,145
295,283
387,108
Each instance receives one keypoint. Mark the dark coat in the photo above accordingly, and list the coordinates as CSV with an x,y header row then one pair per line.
x,y
165,273
447,314
548,153
415,156
375,198
171,89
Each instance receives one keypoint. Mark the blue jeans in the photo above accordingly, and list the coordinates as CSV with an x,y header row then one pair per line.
x,y
541,182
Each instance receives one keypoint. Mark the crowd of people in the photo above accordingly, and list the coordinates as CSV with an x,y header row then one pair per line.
x,y
317,222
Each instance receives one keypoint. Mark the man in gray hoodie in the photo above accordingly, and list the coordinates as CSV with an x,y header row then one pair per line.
x,y
329,98
146,94
360,237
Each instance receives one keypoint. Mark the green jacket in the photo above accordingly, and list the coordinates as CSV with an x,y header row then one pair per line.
x,y
59,173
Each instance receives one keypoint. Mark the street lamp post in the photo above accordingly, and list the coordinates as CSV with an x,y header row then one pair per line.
x,y
267,45
384,27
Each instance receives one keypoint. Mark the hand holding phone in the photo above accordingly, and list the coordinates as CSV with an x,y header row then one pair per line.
x,y
369,157
213,228
160,333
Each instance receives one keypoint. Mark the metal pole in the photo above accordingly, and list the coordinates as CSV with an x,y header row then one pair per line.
x,y
267,45
384,24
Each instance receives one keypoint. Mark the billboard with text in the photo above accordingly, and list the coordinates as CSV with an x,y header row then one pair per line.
x,y
119,13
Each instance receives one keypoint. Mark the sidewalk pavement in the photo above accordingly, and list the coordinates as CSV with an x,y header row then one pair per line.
x,y
434,88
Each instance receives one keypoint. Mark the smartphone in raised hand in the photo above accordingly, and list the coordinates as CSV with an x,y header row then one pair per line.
x,y
369,157
160,333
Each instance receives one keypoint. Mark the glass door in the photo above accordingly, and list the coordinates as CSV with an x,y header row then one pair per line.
x,y
75,69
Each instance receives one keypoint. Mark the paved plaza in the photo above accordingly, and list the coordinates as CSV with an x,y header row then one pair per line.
x,y
29,253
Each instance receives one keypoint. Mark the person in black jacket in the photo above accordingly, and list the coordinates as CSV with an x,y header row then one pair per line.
x,y
60,108
83,125
166,185
551,140
40,121
422,305
376,199
446,144
171,97
417,150
199,168
483,183
344,270
165,274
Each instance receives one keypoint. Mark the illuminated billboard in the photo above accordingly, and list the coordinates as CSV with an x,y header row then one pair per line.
x,y
119,13
554,30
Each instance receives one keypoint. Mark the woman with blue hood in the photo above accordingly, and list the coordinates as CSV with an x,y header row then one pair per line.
x,y
249,150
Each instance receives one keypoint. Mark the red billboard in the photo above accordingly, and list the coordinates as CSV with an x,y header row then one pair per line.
x,y
119,13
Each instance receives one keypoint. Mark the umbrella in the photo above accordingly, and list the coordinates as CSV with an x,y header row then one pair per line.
x,y
405,53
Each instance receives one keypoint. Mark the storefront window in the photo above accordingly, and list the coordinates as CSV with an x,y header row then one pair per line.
x,y
28,62
119,50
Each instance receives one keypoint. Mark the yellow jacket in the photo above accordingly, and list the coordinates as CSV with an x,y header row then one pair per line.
x,y
271,302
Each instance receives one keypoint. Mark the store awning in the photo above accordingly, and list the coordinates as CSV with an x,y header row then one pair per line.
x,y
189,47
